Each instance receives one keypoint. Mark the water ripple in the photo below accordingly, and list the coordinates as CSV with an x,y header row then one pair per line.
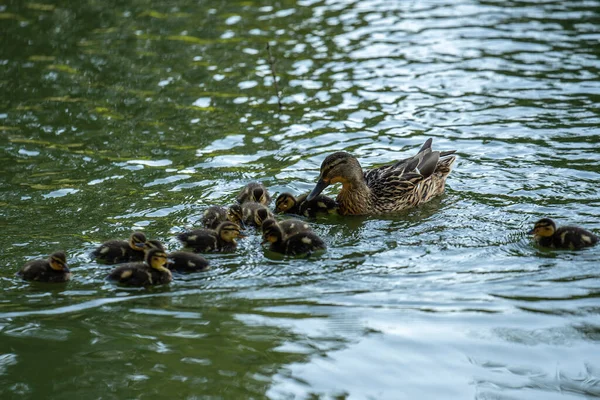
x,y
113,126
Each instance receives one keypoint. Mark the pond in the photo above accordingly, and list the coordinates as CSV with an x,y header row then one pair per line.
x,y
138,115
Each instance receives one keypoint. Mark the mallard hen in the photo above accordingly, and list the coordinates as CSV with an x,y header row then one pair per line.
x,y
391,188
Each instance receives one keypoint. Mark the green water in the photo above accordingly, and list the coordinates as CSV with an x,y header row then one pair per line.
x,y
130,115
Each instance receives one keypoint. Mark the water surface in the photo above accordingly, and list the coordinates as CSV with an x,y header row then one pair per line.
x,y
140,114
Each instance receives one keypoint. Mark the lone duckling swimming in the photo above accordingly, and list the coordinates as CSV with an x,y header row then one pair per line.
x,y
391,188
254,191
118,251
546,234
53,269
181,261
207,240
151,271
289,204
296,244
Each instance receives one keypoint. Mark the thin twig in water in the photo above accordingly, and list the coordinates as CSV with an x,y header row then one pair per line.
x,y
272,65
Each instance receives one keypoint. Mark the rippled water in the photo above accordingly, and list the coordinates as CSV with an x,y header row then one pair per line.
x,y
140,114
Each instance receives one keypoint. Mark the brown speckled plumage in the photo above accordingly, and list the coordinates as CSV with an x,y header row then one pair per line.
x,y
391,188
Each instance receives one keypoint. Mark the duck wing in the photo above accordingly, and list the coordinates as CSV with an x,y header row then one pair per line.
x,y
424,162
406,164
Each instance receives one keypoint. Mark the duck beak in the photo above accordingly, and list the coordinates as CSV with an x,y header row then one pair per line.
x,y
321,184
140,245
66,269
531,232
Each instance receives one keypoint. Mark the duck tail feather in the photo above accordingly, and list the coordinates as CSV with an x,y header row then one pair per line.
x,y
429,163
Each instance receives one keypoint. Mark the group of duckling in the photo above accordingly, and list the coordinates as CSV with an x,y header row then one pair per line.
x,y
144,262
388,189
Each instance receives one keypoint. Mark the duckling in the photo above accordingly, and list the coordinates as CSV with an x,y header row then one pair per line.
x,y
53,269
252,213
260,215
181,261
151,271
546,234
295,244
235,214
206,240
289,204
287,226
213,216
118,251
391,188
254,191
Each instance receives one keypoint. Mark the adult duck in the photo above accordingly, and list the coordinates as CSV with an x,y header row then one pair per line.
x,y
391,188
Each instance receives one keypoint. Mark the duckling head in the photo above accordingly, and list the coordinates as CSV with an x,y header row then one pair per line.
x,y
154,244
235,214
137,241
545,227
261,215
58,261
271,232
228,231
157,259
211,212
339,167
268,223
259,195
284,202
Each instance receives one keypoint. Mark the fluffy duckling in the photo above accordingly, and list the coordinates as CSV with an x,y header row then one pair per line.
x,y
388,189
289,204
53,269
296,244
206,240
250,213
151,271
181,261
254,191
235,214
546,234
118,251
213,216
287,226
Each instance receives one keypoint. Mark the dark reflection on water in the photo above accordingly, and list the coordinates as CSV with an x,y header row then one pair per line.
x,y
140,114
